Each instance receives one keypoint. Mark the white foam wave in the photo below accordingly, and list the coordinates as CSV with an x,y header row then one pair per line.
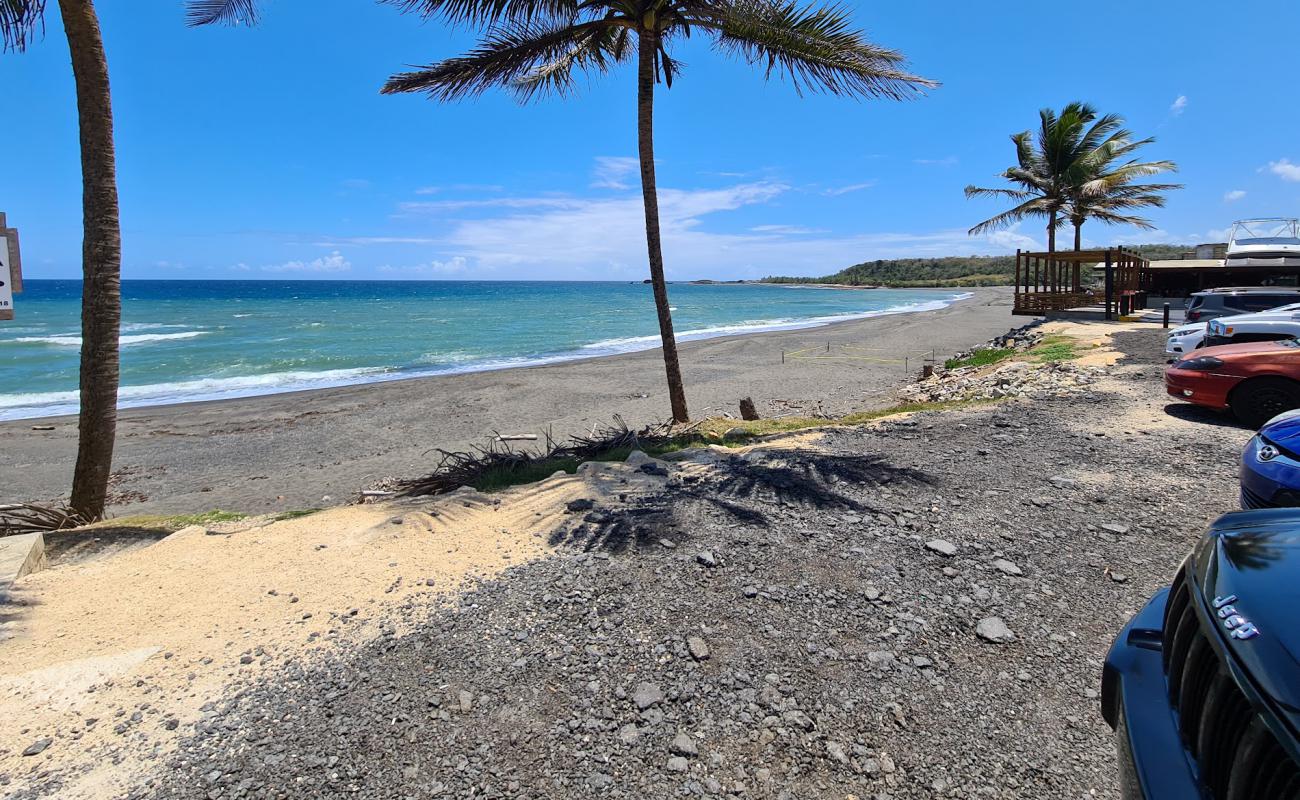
x,y
46,404
73,340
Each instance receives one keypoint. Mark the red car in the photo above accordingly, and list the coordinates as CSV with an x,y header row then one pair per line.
x,y
1257,380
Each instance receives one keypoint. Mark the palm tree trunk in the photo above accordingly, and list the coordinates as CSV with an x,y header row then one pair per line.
x,y
1078,235
101,255
647,46
1051,232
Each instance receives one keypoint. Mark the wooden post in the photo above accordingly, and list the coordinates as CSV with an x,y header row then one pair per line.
x,y
1110,283
1166,315
1015,303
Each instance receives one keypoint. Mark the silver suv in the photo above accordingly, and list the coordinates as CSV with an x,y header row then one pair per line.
x,y
1215,303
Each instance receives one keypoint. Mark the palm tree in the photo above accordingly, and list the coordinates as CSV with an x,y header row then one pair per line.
x,y
101,255
1050,166
535,47
1110,192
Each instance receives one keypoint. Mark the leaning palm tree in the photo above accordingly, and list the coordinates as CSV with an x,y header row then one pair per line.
x,y
537,47
101,255
1109,192
1049,166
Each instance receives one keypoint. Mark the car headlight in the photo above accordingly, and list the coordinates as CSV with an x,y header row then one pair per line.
x,y
1200,364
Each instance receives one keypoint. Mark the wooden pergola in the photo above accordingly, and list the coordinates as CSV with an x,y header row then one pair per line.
x,y
1054,281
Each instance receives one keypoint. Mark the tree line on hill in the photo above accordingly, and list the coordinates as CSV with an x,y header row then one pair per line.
x,y
947,271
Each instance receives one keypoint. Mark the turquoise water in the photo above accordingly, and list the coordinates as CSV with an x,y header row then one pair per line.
x,y
206,340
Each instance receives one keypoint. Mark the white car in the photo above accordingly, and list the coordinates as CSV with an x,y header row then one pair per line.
x,y
1275,323
1185,339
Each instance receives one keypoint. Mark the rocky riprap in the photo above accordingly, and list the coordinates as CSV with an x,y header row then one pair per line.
x,y
772,625
1009,379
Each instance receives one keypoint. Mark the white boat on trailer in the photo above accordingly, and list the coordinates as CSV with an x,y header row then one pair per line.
x,y
1272,242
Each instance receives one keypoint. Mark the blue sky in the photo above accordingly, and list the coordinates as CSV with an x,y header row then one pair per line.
x,y
268,152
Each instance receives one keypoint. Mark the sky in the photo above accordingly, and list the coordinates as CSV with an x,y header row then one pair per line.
x,y
268,152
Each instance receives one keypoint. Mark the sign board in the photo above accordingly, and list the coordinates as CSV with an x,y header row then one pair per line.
x,y
11,269
6,279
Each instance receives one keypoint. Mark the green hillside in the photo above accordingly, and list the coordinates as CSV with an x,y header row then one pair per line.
x,y
947,271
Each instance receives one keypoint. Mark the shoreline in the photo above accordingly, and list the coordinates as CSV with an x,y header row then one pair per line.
x,y
152,395
318,447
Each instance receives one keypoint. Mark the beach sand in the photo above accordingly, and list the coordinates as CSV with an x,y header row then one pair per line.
x,y
319,448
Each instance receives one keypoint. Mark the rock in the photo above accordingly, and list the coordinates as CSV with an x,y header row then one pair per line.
x,y
684,745
735,433
698,647
1006,567
706,559
678,764
1115,527
835,751
750,591
941,547
1119,577
37,747
599,780
465,700
629,734
993,629
581,504
647,695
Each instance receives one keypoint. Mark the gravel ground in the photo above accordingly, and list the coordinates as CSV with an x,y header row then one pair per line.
x,y
918,609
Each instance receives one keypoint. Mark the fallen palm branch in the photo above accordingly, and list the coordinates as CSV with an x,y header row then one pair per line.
x,y
498,464
20,518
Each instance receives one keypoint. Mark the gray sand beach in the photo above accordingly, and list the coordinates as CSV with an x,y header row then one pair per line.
x,y
319,448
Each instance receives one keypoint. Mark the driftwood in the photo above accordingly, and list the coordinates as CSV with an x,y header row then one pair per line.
x,y
747,410
457,469
19,518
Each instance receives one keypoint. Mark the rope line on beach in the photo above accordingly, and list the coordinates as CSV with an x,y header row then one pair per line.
x,y
853,352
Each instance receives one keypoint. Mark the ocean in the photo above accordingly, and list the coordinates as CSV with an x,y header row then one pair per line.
x,y
207,340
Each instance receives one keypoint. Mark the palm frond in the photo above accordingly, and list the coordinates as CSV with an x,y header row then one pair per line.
x,y
220,12
1014,194
526,56
490,12
1029,208
20,20
816,48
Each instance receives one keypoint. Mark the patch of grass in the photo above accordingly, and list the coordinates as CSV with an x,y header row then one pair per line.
x,y
171,523
1054,349
296,513
981,357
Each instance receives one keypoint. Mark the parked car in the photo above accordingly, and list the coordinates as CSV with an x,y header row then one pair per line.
x,y
1282,322
1202,686
1185,339
1229,301
1256,380
1270,465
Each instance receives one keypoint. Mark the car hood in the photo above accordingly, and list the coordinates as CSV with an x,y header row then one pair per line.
x,y
1245,348
1284,431
1255,556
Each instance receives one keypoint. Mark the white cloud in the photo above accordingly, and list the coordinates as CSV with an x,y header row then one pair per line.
x,y
853,187
1179,104
1285,170
605,237
1233,196
452,266
334,262
947,161
461,187
612,172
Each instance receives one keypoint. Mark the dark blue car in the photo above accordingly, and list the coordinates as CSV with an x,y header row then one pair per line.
x,y
1270,464
1202,687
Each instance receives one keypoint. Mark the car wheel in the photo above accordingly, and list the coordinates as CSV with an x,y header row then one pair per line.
x,y
1259,400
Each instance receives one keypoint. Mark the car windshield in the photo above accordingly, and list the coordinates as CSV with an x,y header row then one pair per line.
x,y
1266,231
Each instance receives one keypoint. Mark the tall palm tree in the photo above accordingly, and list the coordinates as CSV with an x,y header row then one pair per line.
x,y
536,47
101,254
1049,166
1109,192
